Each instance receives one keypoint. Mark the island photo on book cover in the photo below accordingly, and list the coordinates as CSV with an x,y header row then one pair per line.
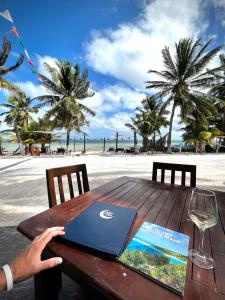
x,y
160,254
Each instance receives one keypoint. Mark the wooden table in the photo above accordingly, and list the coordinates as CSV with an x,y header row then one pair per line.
x,y
163,204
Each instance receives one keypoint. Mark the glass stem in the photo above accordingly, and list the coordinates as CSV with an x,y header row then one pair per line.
x,y
201,242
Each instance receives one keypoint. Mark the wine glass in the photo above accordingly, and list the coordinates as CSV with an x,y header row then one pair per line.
x,y
204,213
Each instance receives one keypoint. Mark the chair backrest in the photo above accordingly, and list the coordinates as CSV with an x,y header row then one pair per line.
x,y
175,167
66,171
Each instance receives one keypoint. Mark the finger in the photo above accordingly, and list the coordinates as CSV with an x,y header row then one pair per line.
x,y
46,232
46,239
50,263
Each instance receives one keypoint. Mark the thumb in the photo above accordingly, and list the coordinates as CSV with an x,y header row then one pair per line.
x,y
50,263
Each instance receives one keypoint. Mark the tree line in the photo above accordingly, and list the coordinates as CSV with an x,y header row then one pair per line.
x,y
186,83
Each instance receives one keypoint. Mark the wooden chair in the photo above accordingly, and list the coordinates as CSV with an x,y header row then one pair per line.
x,y
175,167
59,172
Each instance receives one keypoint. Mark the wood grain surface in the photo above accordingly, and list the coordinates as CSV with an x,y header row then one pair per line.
x,y
163,204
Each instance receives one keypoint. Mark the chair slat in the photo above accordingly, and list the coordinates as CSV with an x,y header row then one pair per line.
x,y
85,180
172,176
61,192
70,185
79,183
162,175
183,177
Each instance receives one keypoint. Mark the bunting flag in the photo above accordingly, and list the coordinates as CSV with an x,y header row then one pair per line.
x,y
14,31
30,63
5,14
27,55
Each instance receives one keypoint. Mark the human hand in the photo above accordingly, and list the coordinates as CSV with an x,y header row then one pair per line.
x,y
29,262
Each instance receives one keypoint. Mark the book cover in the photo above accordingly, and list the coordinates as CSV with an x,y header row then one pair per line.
x,y
160,254
101,227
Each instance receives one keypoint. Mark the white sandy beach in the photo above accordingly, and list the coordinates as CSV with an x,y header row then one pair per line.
x,y
23,190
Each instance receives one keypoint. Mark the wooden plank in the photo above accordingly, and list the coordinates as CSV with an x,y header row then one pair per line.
x,y
116,195
79,183
217,235
183,176
172,176
61,192
70,185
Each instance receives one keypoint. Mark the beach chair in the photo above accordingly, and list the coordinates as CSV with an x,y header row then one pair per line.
x,y
173,168
82,182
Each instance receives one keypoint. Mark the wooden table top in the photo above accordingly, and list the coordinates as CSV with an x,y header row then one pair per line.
x,y
163,204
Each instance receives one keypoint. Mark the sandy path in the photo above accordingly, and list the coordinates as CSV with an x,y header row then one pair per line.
x,y
23,186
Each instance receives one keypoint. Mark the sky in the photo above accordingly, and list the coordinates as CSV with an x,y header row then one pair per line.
x,y
118,41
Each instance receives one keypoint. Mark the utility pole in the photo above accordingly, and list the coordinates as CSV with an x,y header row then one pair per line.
x,y
84,151
117,137
104,145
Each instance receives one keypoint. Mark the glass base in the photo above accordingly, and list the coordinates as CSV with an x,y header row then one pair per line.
x,y
203,261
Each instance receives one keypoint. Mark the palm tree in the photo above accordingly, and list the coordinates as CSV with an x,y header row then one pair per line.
x,y
148,120
4,53
18,114
185,79
158,114
40,131
68,88
198,132
141,125
218,90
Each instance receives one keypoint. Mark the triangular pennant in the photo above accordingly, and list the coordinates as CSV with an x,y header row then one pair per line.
x,y
5,14
21,43
30,63
34,71
26,53
15,32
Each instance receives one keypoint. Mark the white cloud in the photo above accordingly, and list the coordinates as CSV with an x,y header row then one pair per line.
x,y
127,52
32,90
45,59
115,122
114,98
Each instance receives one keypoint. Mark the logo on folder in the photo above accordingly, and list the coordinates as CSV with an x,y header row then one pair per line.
x,y
106,214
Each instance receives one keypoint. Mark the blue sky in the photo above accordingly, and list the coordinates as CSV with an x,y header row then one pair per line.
x,y
117,40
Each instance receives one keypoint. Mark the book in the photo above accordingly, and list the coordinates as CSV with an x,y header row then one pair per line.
x,y
160,254
101,227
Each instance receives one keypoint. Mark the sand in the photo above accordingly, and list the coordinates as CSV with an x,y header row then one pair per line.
x,y
23,190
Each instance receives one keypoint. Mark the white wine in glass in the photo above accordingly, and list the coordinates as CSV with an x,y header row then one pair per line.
x,y
204,213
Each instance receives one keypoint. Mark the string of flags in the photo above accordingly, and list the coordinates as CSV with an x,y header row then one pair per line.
x,y
6,15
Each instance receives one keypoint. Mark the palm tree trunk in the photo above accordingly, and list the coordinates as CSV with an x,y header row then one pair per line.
x,y
19,141
196,147
223,120
145,143
170,128
135,142
0,146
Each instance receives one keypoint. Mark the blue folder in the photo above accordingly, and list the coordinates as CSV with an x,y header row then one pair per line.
x,y
102,227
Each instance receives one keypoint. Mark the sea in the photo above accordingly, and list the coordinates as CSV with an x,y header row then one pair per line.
x,y
90,145
150,249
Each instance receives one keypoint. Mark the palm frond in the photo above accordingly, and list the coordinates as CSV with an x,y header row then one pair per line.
x,y
5,84
4,71
5,50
